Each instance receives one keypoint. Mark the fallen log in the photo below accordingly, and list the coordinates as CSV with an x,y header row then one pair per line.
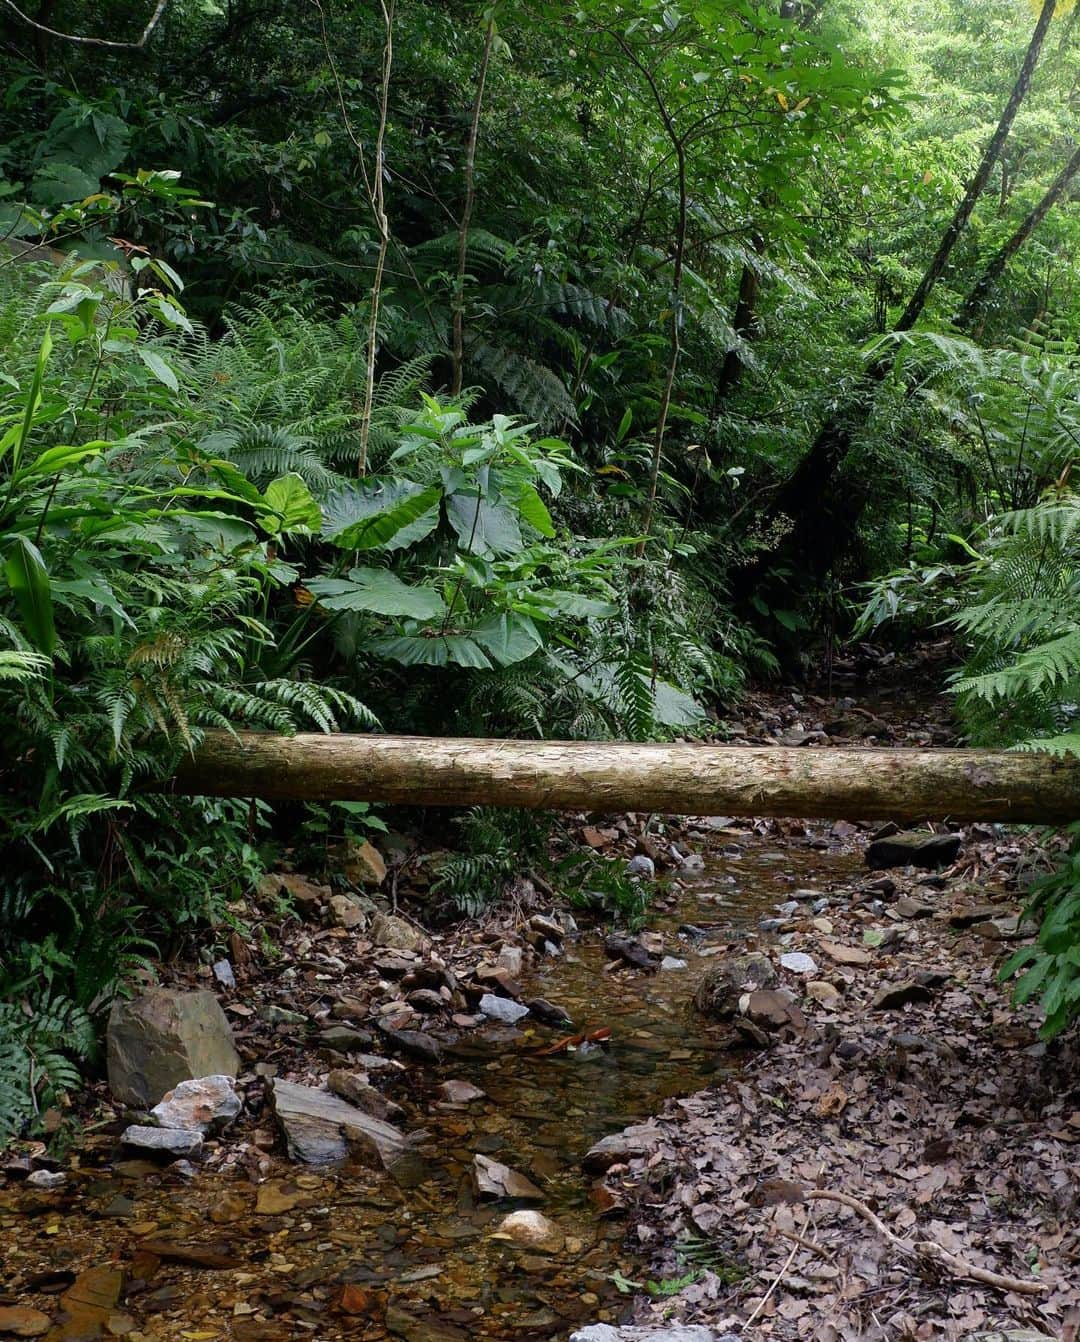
x,y
906,785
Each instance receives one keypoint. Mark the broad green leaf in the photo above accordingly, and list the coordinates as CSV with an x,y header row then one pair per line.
x,y
28,579
159,368
484,527
380,514
378,591
291,500
15,438
575,605
437,651
533,509
508,638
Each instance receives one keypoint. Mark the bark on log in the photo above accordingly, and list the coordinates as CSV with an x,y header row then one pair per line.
x,y
908,785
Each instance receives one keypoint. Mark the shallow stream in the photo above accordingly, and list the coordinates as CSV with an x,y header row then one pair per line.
x,y
358,1255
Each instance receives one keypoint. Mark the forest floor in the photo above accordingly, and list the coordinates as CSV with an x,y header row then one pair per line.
x,y
773,1180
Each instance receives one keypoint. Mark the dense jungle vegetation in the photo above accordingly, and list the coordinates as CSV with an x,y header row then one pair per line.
x,y
528,368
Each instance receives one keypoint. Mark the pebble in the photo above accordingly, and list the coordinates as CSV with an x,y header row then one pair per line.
x,y
672,962
641,866
223,972
174,1141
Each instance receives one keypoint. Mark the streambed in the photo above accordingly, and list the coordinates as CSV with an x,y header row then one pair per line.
x,y
352,1253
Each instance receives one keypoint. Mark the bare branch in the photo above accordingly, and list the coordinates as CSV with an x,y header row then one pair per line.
x,y
147,32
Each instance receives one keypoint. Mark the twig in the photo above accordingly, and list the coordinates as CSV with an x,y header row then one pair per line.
x,y
807,1244
930,1249
777,1279
155,19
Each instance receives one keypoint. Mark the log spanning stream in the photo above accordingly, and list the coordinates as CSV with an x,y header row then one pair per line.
x,y
614,776
422,1262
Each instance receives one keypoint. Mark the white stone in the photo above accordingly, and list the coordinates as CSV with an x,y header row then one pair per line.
x,y
672,962
502,1008
798,962
199,1105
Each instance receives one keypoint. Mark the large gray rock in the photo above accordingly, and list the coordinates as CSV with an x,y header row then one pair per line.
x,y
163,1037
321,1129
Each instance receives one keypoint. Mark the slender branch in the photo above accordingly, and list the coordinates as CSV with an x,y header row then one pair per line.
x,y
930,1249
147,32
975,187
374,187
466,213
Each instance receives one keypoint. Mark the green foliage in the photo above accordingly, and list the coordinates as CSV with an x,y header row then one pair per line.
x,y
1050,969
601,885
496,845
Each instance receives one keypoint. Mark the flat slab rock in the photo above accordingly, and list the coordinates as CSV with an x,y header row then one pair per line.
x,y
321,1129
914,848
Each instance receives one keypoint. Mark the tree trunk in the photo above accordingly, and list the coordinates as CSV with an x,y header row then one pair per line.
x,y
825,516
995,268
907,785
743,323
975,187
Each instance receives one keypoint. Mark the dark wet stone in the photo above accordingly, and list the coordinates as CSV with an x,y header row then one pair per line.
x,y
413,1043
895,995
913,849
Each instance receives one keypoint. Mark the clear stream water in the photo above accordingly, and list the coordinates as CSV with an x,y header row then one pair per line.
x,y
427,1252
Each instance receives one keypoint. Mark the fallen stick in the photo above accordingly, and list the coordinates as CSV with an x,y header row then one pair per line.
x,y
929,1249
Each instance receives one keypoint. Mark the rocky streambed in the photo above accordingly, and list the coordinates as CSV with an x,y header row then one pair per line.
x,y
613,1155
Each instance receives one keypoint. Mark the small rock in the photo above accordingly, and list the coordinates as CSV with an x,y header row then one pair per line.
x,y
414,1043
547,1012
724,983
461,1092
548,926
275,1199
975,913
199,1106
640,1139
693,862
772,1010
223,972
753,1034
320,1128
673,962
788,907
916,848
355,1087
46,1179
511,959
798,962
395,933
344,1039
641,866
364,865
670,1332
22,1321
170,1141
278,1015
502,1009
822,992
895,995
630,950
911,907
493,1179
426,1000
345,911
532,1229
845,955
